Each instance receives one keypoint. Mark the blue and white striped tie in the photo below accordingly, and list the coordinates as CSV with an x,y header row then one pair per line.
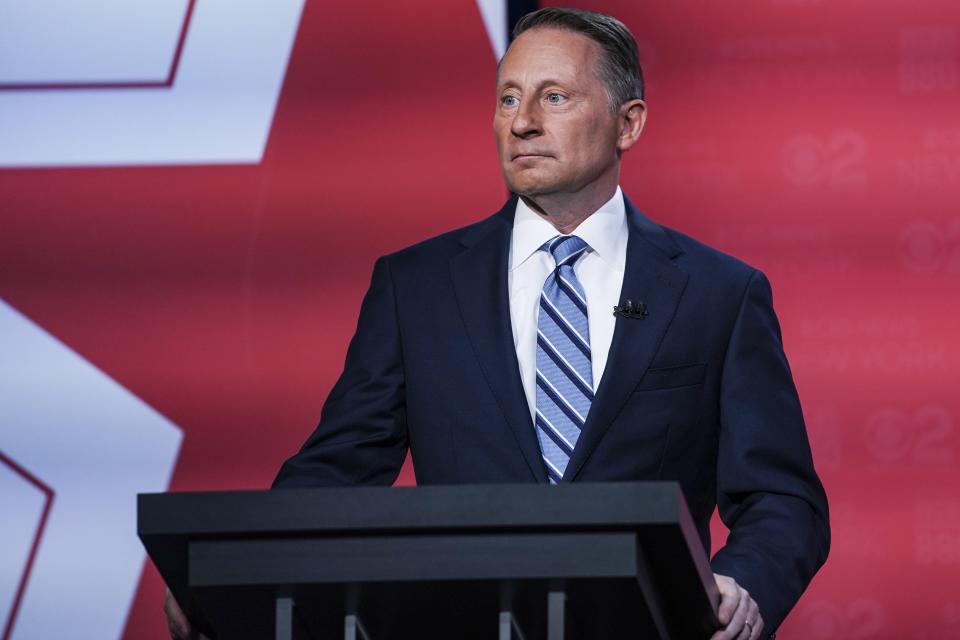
x,y
564,373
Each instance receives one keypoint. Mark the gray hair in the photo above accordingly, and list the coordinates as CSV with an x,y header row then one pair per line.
x,y
619,67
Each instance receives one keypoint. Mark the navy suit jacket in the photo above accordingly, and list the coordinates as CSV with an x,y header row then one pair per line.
x,y
699,391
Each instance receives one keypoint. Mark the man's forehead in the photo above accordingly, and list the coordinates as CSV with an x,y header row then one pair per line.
x,y
545,51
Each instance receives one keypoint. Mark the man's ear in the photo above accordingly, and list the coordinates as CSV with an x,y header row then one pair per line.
x,y
633,115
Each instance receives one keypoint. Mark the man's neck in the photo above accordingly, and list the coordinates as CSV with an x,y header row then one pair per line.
x,y
566,212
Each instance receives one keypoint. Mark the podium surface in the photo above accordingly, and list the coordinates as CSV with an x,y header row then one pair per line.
x,y
474,561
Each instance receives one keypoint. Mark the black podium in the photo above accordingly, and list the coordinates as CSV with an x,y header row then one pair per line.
x,y
572,561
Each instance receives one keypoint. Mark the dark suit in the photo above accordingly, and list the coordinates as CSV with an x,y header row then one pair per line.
x,y
699,391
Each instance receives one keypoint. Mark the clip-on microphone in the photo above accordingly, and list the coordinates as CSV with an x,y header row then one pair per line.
x,y
631,309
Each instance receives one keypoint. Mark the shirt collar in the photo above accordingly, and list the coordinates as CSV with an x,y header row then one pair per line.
x,y
605,230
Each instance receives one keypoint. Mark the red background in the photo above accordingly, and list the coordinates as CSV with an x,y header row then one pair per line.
x,y
819,141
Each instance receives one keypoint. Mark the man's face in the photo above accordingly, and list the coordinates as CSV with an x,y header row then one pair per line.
x,y
554,128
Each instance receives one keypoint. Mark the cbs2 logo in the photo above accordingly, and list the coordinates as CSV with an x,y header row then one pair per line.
x,y
929,248
835,160
926,434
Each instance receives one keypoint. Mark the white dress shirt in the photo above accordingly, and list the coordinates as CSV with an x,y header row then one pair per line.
x,y
600,272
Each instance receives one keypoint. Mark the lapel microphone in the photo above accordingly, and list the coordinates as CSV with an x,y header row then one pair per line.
x,y
633,309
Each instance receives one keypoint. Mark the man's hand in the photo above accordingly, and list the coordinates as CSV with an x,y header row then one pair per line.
x,y
738,613
177,622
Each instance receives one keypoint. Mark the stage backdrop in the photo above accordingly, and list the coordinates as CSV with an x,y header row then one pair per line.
x,y
193,192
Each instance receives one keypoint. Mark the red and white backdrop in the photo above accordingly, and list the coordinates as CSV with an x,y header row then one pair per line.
x,y
193,192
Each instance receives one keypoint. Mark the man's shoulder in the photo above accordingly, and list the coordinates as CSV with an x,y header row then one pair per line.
x,y
701,256
692,255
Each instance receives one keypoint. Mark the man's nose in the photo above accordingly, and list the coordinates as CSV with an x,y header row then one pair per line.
x,y
527,120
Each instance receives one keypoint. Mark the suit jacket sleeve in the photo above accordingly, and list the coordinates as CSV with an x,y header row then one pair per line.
x,y
768,493
362,435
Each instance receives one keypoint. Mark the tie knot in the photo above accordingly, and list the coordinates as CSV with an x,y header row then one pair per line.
x,y
566,249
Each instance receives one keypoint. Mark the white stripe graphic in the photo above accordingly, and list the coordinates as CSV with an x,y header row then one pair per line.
x,y
96,446
219,109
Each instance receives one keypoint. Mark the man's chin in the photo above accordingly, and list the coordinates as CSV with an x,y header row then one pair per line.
x,y
529,188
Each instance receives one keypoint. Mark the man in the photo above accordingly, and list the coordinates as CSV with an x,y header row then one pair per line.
x,y
493,352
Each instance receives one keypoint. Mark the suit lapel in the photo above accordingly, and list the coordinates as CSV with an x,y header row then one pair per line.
x,y
480,281
650,276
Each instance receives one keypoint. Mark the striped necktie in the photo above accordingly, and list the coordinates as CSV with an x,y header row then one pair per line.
x,y
564,373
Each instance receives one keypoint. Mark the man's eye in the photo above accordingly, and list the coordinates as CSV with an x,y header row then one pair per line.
x,y
556,98
509,101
